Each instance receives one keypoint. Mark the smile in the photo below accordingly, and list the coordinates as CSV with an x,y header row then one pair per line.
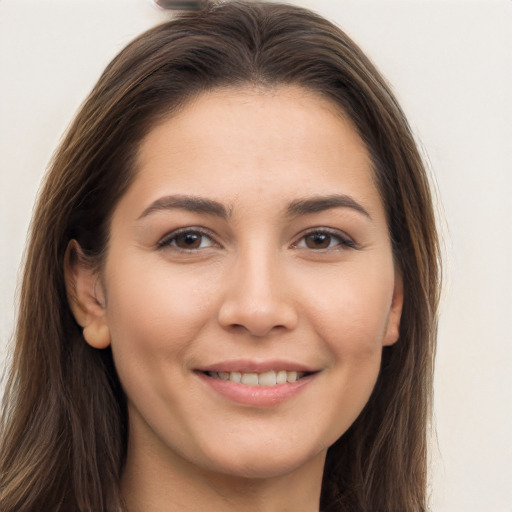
x,y
268,378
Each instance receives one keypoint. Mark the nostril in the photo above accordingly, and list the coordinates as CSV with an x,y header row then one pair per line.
x,y
257,329
238,316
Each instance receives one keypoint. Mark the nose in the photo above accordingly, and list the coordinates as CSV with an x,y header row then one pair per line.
x,y
258,299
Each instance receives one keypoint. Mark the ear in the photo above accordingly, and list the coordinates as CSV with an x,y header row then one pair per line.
x,y
395,313
86,297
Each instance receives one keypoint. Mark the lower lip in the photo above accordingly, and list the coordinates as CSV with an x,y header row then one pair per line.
x,y
256,396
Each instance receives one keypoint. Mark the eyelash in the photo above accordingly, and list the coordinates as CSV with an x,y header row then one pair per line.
x,y
170,239
344,241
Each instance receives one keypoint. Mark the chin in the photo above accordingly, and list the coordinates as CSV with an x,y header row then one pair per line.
x,y
264,464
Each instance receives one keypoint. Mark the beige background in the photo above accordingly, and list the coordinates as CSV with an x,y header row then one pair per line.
x,y
450,63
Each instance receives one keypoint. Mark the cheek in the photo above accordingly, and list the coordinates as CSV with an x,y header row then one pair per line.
x,y
352,312
154,316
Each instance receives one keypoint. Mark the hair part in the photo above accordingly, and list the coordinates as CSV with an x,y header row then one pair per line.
x,y
64,423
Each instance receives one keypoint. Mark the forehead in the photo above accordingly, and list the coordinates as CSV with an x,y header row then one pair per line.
x,y
231,144
254,114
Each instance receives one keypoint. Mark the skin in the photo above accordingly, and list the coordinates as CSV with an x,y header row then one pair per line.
x,y
259,286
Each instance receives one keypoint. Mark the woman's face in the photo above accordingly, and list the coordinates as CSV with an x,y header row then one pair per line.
x,y
251,249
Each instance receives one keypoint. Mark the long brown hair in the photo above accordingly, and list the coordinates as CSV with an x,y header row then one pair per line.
x,y
64,423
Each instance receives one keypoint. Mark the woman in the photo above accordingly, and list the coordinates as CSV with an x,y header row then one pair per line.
x,y
230,293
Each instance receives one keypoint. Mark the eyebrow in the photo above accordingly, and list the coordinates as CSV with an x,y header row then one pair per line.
x,y
322,203
210,207
189,203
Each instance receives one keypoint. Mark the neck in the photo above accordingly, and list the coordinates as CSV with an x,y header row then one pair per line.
x,y
151,483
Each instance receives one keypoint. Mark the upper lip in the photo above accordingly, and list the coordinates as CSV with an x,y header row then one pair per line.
x,y
257,366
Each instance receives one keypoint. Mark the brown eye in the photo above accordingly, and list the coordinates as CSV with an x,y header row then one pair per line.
x,y
187,240
324,240
318,241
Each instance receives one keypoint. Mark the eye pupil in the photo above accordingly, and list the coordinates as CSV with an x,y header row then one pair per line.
x,y
318,241
188,240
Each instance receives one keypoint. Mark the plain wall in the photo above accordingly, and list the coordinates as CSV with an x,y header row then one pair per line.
x,y
450,64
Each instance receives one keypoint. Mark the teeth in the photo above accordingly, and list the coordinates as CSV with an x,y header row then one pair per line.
x,y
270,378
235,376
267,379
281,377
251,379
291,377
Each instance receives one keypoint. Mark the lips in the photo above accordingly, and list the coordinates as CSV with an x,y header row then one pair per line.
x,y
257,383
257,366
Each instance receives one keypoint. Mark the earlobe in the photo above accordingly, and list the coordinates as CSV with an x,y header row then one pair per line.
x,y
395,313
97,335
85,296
